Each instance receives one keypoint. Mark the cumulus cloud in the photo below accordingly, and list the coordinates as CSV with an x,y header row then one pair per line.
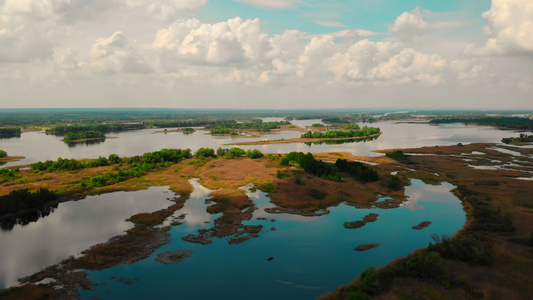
x,y
117,54
410,24
385,62
234,42
510,26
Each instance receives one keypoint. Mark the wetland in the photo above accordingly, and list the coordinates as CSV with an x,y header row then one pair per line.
x,y
195,218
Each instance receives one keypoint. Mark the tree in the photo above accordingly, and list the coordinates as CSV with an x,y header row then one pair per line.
x,y
3,153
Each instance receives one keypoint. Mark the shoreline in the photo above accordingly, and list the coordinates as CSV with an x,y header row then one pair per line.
x,y
444,161
302,140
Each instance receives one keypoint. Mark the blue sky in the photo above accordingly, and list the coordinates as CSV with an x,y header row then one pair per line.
x,y
284,54
373,15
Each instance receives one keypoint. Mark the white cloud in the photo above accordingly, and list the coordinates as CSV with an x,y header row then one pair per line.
x,y
117,54
510,25
21,42
332,24
410,24
385,62
234,42
273,4
348,35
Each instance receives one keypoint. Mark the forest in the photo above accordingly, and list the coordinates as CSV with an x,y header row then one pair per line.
x,y
502,122
83,135
9,132
365,131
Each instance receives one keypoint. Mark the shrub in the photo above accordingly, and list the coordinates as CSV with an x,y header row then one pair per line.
x,y
3,153
254,153
204,152
396,154
369,281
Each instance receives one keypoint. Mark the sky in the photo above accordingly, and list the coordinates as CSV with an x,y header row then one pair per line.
x,y
266,54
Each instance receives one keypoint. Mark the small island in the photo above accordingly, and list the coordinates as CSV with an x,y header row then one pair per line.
x,y
82,136
327,136
523,139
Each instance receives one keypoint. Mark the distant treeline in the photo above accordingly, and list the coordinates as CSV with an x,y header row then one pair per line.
x,y
20,200
9,132
365,131
523,138
105,128
228,127
83,135
503,122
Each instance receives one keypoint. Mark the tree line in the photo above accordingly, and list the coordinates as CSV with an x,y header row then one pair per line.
x,y
357,170
365,131
23,199
8,132
83,135
503,122
226,127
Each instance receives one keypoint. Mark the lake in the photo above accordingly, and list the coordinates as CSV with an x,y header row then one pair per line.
x,y
38,146
312,255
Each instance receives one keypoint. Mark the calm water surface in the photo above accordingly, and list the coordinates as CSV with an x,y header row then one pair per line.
x,y
312,255
37,146
73,227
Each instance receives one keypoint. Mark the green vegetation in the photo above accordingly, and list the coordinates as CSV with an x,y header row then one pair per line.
x,y
357,170
187,124
351,127
311,165
504,122
8,174
398,154
83,135
3,153
230,128
238,152
105,128
522,139
204,152
222,131
9,132
365,131
469,248
20,200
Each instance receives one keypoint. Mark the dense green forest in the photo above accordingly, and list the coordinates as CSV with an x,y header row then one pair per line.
x,y
365,131
20,200
503,122
9,132
357,170
311,165
83,135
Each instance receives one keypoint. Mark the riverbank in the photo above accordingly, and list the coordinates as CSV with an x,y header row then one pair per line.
x,y
303,140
